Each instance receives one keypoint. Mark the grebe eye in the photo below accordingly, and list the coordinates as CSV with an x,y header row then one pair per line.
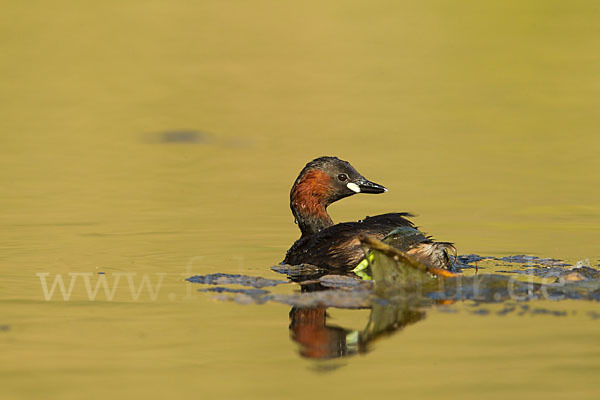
x,y
342,177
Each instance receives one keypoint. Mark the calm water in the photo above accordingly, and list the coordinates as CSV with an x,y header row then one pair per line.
x,y
480,118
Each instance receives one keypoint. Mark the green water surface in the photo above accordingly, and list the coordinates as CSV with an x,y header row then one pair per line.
x,y
480,117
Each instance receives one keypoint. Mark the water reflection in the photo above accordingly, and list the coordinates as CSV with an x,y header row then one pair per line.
x,y
317,339
320,340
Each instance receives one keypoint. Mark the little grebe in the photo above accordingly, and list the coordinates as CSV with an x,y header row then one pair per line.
x,y
328,179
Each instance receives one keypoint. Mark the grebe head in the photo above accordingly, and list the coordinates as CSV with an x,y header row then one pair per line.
x,y
321,182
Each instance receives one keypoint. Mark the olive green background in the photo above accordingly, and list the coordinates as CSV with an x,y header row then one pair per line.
x,y
480,117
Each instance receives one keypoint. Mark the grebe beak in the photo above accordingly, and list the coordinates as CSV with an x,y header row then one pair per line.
x,y
364,186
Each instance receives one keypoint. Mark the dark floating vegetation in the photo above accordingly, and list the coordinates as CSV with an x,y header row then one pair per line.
x,y
221,289
231,279
397,278
400,290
